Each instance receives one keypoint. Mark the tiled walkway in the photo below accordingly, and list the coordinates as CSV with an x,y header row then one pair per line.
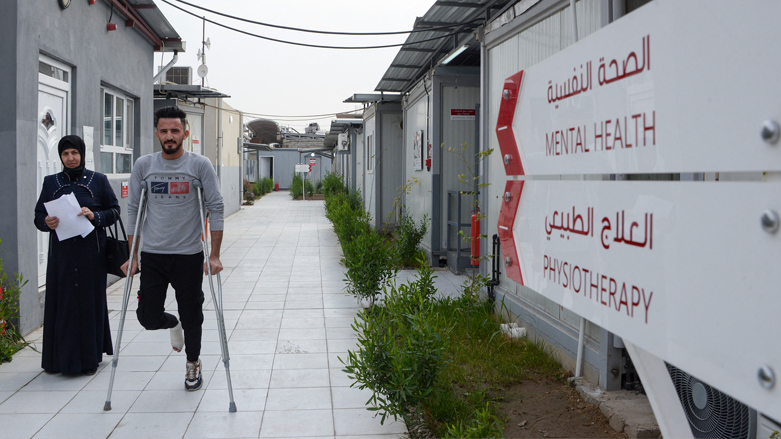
x,y
288,320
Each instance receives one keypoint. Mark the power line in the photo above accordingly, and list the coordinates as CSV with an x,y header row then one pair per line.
x,y
304,44
277,26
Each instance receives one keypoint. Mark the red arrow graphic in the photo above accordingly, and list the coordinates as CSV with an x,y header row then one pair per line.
x,y
504,125
507,214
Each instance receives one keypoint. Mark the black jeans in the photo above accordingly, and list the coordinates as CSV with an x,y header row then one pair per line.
x,y
185,274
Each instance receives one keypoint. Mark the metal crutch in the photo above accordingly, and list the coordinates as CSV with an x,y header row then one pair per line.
x,y
128,286
217,305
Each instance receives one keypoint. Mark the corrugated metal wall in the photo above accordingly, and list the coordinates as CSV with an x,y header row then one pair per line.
x,y
392,138
458,158
418,201
369,197
519,52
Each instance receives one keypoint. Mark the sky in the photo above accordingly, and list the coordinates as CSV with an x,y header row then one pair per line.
x,y
288,83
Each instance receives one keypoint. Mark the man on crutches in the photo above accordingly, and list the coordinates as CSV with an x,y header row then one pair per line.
x,y
172,249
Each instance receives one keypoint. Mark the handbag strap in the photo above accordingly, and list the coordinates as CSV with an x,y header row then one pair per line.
x,y
114,233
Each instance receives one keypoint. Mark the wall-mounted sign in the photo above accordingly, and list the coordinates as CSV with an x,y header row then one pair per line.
x,y
462,114
654,92
302,167
417,151
124,189
663,264
89,143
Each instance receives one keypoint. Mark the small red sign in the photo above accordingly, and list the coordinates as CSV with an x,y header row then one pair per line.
x,y
180,188
465,112
312,161
124,189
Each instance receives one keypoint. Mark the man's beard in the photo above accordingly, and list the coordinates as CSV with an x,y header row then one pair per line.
x,y
170,150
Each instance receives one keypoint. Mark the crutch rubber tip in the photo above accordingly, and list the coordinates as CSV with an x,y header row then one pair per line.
x,y
107,406
232,408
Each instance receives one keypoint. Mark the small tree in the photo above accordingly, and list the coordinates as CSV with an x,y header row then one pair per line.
x,y
11,341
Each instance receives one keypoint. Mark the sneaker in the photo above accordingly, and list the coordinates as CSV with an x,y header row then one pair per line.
x,y
177,337
192,379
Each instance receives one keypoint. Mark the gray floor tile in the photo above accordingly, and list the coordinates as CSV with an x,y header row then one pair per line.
x,y
82,426
311,423
247,400
93,401
22,426
219,425
37,402
291,399
152,426
299,378
13,381
301,361
363,422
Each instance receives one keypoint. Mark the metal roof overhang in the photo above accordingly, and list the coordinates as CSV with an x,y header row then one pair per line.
x,y
150,22
365,98
339,126
176,91
257,147
415,58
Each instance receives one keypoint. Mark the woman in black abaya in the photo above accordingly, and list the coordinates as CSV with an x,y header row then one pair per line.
x,y
75,325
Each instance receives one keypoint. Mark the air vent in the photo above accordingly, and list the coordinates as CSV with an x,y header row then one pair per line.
x,y
711,413
180,75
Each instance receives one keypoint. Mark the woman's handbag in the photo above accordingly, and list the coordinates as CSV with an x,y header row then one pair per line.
x,y
117,249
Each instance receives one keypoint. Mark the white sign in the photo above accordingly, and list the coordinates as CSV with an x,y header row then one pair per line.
x,y
417,151
662,90
302,167
683,270
462,114
89,142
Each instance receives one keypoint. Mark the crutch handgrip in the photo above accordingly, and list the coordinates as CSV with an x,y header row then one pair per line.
x,y
197,183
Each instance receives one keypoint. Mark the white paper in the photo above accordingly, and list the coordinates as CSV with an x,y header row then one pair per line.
x,y
66,209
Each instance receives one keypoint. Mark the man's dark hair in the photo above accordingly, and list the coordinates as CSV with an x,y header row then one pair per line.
x,y
173,112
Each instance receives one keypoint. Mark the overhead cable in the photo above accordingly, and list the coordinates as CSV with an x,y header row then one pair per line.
x,y
277,26
316,46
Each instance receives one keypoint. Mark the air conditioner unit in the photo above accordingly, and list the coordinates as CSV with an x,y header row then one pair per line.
x,y
714,414
180,75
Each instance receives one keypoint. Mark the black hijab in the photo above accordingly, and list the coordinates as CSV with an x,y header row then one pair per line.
x,y
78,144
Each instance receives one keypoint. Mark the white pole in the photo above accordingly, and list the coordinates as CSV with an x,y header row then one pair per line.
x,y
581,334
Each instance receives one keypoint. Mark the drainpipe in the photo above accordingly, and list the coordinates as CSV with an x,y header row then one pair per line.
x,y
161,73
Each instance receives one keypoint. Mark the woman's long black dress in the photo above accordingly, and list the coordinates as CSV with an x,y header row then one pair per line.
x,y
75,323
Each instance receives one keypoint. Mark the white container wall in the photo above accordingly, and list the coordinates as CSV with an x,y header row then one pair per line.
x,y
530,45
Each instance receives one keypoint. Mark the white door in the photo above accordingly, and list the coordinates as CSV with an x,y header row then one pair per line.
x,y
53,114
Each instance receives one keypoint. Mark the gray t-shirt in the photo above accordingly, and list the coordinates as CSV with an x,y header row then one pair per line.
x,y
173,224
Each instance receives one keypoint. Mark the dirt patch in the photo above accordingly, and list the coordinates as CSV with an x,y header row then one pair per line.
x,y
313,197
543,408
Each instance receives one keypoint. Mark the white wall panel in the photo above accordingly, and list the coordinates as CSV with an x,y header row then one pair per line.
x,y
519,52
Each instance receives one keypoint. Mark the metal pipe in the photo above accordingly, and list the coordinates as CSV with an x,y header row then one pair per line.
x,y
162,72
574,20
581,345
582,332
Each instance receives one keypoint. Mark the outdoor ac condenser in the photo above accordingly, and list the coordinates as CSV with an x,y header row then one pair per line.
x,y
714,414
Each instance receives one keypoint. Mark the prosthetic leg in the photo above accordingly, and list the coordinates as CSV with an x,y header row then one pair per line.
x,y
217,304
128,286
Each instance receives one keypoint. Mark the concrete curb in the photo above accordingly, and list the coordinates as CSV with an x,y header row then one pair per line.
x,y
626,411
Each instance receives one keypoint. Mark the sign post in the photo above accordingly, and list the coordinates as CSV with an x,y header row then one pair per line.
x,y
648,260
303,169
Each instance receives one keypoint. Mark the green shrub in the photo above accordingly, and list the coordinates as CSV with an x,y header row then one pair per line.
x,y
408,237
333,184
266,185
319,187
11,341
297,187
401,350
369,259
